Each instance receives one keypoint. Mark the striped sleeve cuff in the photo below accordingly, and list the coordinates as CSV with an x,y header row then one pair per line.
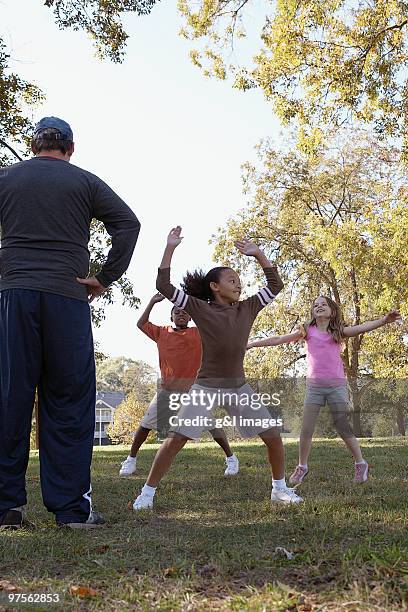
x,y
265,296
179,298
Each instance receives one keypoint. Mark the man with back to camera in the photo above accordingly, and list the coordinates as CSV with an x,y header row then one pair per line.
x,y
46,207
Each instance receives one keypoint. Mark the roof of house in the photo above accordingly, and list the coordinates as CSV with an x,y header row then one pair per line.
x,y
111,398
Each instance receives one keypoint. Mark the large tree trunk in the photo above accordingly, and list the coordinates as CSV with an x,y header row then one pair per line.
x,y
400,420
356,404
355,345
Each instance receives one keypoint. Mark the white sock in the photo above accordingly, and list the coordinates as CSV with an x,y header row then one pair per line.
x,y
131,458
147,490
303,465
279,484
360,462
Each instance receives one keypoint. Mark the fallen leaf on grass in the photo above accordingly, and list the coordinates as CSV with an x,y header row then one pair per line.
x,y
5,585
280,550
81,591
171,571
102,549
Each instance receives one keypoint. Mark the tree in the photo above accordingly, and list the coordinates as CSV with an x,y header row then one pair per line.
x,y
319,63
128,375
15,95
101,20
126,420
98,247
322,219
386,402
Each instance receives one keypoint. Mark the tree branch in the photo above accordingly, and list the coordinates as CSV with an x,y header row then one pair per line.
x,y
4,144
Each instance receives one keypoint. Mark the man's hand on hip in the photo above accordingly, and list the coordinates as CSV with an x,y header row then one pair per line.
x,y
93,286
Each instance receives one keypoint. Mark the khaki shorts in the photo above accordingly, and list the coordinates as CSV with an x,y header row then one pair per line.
x,y
337,399
158,414
246,412
332,396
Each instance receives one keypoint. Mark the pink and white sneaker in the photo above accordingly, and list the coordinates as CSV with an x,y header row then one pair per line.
x,y
361,472
298,475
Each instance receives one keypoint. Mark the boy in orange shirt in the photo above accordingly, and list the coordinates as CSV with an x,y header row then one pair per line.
x,y
179,359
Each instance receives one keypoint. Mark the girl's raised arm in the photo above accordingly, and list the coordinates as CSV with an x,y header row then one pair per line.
x,y
173,240
274,281
355,330
163,284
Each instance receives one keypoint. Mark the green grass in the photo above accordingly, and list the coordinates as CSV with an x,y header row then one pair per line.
x,y
210,541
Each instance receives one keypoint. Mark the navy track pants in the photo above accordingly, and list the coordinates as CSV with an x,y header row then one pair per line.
x,y
46,342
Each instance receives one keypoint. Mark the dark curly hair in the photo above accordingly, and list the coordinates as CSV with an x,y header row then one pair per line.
x,y
197,283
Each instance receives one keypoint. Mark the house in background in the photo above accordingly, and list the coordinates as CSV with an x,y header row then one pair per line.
x,y
106,404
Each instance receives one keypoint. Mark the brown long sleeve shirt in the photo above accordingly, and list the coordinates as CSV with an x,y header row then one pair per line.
x,y
224,329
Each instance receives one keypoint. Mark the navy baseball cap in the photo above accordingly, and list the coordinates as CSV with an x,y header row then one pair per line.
x,y
58,124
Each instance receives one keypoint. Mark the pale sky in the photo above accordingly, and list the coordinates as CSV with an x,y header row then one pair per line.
x,y
168,140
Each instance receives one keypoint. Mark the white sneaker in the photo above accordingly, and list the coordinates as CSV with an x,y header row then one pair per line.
x,y
143,502
232,466
285,496
128,467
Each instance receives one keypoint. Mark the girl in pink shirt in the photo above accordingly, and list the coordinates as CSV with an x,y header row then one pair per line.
x,y
325,380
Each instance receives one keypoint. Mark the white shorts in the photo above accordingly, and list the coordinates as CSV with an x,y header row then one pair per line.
x,y
158,413
246,412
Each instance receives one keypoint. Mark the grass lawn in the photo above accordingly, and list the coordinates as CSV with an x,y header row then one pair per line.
x,y
210,543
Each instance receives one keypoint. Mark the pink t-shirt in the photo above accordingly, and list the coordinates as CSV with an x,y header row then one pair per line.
x,y
324,364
